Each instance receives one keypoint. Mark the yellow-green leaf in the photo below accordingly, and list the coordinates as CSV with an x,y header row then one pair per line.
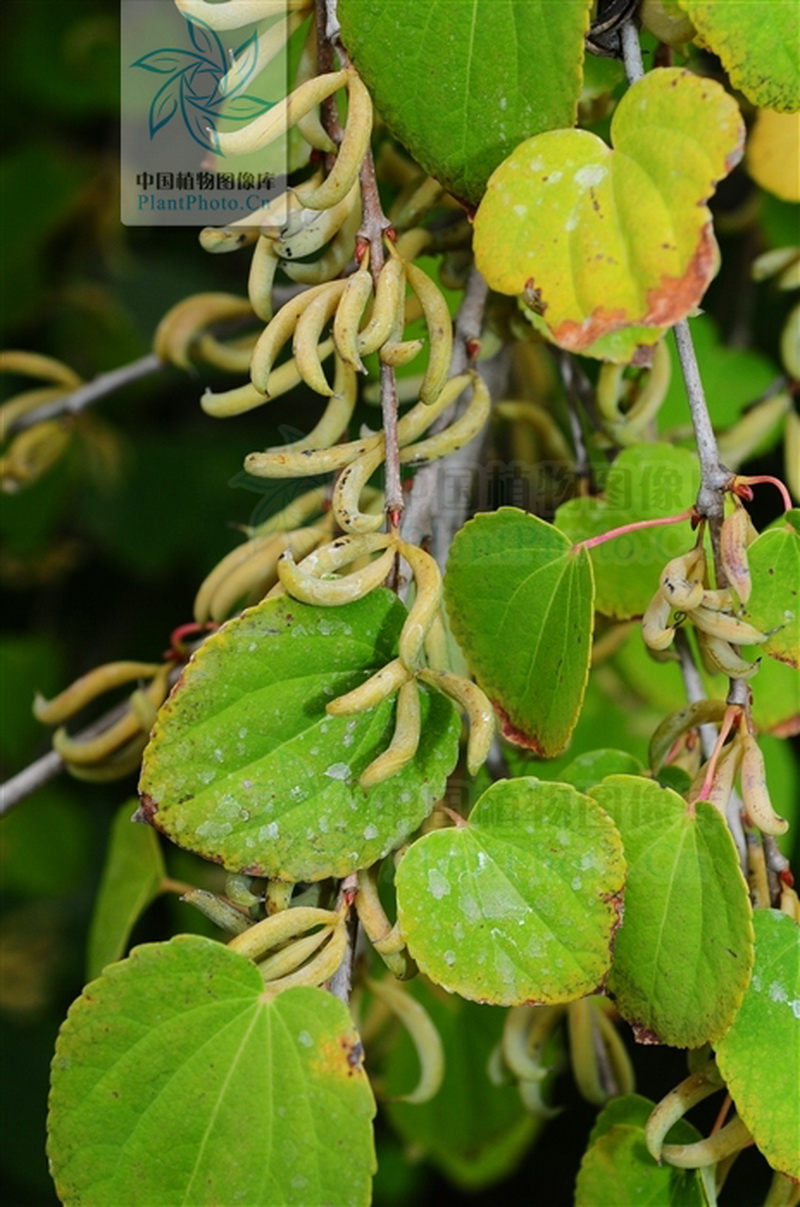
x,y
759,45
614,239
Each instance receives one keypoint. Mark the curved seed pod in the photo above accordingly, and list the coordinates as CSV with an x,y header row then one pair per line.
x,y
729,628
478,708
276,122
419,418
83,752
399,352
352,149
650,397
221,913
383,683
427,602
278,331
733,540
270,41
440,332
236,13
88,687
728,1140
269,220
526,1033
617,1057
532,1098
280,928
218,240
410,244
262,275
32,452
295,513
349,312
231,356
583,1050
21,404
682,578
720,657
674,1105
337,414
405,739
459,433
246,398
423,1034
250,567
318,970
657,633
181,325
409,209
755,793
739,441
309,230
389,308
34,364
437,654
349,488
719,600
309,124
701,712
124,761
608,393
247,582
278,463
308,334
293,956
301,582
334,259
385,938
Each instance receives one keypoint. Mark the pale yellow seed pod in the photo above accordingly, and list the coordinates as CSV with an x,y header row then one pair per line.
x,y
279,928
425,607
721,658
303,581
89,687
276,122
352,149
755,793
457,434
388,310
682,579
657,633
244,398
263,266
477,706
181,325
733,541
369,694
728,627
423,1034
440,332
235,13
349,488
405,739
349,312
308,336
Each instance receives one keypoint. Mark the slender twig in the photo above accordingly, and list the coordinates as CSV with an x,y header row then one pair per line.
x,y
695,690
92,391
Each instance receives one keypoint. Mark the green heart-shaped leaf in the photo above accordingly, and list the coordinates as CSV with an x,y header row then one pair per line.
x,y
520,903
683,954
758,45
760,1055
611,240
164,1079
520,602
245,767
645,482
461,82
774,559
132,878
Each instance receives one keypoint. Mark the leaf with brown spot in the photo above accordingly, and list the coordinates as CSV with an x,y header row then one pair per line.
x,y
617,244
